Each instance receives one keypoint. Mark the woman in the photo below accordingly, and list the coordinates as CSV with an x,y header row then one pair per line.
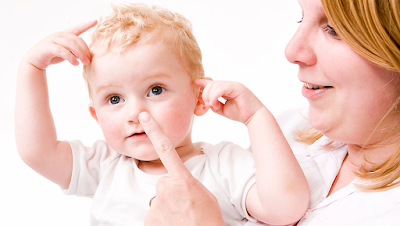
x,y
349,61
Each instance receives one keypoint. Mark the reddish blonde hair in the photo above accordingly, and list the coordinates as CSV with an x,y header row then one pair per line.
x,y
119,31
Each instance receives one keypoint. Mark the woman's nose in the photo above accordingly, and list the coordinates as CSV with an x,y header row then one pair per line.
x,y
300,49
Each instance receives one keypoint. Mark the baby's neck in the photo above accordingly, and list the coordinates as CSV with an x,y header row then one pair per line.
x,y
152,168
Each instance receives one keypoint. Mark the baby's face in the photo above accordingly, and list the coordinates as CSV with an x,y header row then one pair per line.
x,y
147,77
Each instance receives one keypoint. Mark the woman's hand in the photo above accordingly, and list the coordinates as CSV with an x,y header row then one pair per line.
x,y
181,200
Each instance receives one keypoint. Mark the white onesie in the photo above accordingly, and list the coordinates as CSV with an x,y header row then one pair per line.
x,y
121,191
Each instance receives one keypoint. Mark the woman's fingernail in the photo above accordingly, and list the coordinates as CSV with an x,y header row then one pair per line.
x,y
144,117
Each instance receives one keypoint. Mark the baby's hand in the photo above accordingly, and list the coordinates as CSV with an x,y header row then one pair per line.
x,y
240,103
60,46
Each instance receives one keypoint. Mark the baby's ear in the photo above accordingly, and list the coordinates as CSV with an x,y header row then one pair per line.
x,y
201,108
93,112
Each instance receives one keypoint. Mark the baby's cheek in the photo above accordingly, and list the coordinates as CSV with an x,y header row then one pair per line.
x,y
178,125
111,132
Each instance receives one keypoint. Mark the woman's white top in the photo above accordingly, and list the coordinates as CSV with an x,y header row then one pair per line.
x,y
347,206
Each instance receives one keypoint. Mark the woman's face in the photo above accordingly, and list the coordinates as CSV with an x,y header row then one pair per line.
x,y
348,95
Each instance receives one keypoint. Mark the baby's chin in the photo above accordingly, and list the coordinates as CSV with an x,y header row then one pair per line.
x,y
155,159
142,155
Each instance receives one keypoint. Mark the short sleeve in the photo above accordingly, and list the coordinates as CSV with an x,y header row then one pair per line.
x,y
89,164
237,171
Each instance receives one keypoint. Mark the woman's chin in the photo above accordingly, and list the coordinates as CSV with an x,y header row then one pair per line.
x,y
318,123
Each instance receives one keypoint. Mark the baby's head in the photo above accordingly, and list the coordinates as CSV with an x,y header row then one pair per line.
x,y
130,23
144,59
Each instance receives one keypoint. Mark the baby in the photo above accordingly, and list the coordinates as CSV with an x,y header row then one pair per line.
x,y
145,62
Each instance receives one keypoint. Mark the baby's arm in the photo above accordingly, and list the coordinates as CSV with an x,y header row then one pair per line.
x,y
280,195
35,132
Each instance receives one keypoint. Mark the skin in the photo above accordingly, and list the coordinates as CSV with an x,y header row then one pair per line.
x,y
356,94
122,87
39,148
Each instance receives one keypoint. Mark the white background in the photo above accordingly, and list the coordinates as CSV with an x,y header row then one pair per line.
x,y
240,40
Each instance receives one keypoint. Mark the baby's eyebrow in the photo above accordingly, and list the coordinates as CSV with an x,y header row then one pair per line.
x,y
158,75
146,77
104,87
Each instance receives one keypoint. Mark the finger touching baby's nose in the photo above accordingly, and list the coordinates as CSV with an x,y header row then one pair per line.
x,y
163,146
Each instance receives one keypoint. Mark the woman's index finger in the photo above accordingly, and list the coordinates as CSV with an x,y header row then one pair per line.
x,y
167,153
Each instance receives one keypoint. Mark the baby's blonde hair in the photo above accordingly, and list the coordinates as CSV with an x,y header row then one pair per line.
x,y
127,23
372,29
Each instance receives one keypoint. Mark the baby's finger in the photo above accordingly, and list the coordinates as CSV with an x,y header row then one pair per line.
x,y
202,83
211,94
79,29
75,45
163,146
61,52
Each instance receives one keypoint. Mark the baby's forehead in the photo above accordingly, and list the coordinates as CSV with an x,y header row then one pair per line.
x,y
147,58
149,51
103,45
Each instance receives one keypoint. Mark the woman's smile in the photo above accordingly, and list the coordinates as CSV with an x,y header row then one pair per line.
x,y
312,91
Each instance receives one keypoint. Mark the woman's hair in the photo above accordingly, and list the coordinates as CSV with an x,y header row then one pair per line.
x,y
372,29
127,23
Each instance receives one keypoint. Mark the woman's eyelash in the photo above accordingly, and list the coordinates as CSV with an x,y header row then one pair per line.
x,y
330,31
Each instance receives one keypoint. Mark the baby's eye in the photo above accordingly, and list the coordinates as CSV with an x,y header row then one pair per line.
x,y
155,90
115,100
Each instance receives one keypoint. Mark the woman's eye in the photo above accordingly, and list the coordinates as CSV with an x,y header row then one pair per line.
x,y
300,21
331,31
155,90
115,100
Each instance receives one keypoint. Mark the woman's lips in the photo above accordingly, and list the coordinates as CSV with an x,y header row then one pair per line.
x,y
312,86
312,91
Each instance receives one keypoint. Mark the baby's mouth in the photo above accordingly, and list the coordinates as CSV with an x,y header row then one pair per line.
x,y
137,134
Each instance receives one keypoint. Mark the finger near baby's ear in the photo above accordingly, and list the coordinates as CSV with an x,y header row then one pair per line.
x,y
202,82
79,29
163,146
